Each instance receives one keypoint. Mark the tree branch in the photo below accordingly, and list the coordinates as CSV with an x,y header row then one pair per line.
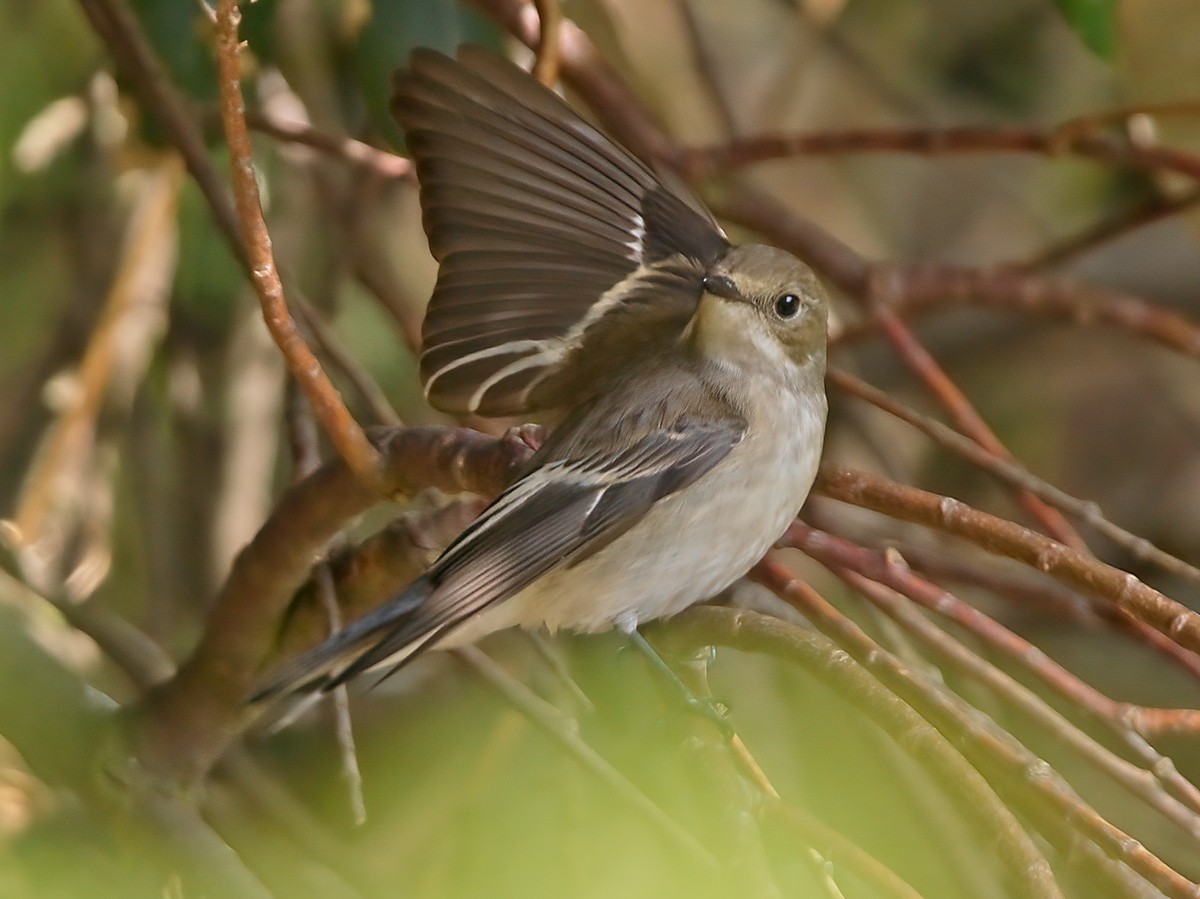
x,y
187,723
1118,588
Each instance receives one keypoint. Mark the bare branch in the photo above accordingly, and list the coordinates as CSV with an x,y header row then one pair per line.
x,y
1119,588
1026,779
1015,474
188,722
327,404
566,731
1076,138
388,166
823,660
545,67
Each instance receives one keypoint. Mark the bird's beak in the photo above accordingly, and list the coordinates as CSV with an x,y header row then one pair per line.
x,y
723,287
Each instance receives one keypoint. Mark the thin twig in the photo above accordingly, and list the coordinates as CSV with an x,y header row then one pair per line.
x,y
828,664
1053,142
1015,474
545,66
365,385
1140,782
1119,588
987,745
1124,720
327,404
307,459
842,852
566,731
388,166
343,724
922,364
923,288
1070,248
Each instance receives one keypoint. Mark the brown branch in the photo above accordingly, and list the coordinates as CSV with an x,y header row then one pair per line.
x,y
1118,588
1016,475
984,743
762,213
1069,248
923,288
1140,782
1124,720
1053,142
1043,595
118,27
365,385
352,444
545,66
953,400
823,660
565,730
1089,512
187,723
388,166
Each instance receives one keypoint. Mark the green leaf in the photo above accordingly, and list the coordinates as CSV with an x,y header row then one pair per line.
x,y
172,29
1095,21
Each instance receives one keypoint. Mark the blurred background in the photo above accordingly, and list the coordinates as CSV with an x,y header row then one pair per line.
x,y
144,437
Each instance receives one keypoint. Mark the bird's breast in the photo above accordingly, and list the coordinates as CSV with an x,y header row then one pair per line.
x,y
691,545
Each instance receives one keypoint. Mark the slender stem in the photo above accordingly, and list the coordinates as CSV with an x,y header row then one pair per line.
x,y
1118,588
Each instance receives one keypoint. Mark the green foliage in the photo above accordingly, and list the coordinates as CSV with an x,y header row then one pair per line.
x,y
1095,21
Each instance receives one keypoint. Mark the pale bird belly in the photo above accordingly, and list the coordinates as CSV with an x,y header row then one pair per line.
x,y
688,548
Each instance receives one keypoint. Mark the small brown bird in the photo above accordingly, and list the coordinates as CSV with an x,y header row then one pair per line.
x,y
686,374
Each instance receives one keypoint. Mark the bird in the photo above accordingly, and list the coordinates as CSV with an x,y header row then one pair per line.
x,y
684,376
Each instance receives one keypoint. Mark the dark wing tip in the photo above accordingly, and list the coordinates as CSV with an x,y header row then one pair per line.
x,y
324,666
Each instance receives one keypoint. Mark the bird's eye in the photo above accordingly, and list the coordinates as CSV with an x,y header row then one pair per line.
x,y
787,305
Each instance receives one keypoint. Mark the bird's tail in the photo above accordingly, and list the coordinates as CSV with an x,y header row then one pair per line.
x,y
322,666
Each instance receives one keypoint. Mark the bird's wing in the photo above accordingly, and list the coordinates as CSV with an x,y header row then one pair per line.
x,y
315,669
542,225
559,514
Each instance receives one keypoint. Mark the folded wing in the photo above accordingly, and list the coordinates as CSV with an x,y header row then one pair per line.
x,y
559,514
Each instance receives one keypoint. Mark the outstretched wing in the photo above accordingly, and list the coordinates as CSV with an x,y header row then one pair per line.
x,y
543,227
559,514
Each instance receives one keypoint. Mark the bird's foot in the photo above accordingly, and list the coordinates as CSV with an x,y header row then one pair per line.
x,y
705,706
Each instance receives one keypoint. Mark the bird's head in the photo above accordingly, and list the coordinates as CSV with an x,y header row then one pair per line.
x,y
761,308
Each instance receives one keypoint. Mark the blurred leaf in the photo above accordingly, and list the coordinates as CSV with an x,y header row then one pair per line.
x,y
173,29
396,28
258,28
1095,21
208,280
